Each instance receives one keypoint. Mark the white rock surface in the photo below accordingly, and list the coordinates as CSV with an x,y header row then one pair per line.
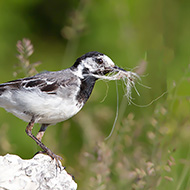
x,y
39,173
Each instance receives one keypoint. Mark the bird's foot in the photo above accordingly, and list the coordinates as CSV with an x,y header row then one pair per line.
x,y
53,156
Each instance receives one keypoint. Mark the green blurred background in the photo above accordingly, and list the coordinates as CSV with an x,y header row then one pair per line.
x,y
150,146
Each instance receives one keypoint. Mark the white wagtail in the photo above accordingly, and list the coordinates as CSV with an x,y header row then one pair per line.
x,y
51,97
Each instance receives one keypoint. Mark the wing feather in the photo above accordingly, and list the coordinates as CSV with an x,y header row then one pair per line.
x,y
48,82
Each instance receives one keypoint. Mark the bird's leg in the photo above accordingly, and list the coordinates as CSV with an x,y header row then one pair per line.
x,y
41,134
38,141
41,131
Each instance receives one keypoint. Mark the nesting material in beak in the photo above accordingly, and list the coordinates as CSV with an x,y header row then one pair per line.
x,y
128,78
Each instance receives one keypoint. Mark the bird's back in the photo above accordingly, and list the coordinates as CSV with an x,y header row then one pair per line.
x,y
49,96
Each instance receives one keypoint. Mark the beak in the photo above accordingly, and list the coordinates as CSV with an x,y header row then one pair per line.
x,y
116,68
112,69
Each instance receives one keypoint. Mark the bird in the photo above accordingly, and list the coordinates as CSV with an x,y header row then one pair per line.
x,y
54,96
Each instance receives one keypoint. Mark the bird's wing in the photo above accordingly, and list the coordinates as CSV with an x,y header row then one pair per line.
x,y
48,82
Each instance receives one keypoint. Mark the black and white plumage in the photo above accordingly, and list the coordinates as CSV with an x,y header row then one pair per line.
x,y
51,97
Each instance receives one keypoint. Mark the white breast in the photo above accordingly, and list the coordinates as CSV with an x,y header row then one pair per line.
x,y
48,108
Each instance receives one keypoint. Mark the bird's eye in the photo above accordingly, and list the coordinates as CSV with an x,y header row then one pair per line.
x,y
99,61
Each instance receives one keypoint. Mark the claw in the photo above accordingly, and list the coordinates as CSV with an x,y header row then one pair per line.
x,y
53,156
57,159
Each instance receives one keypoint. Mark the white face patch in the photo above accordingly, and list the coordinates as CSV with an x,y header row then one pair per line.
x,y
108,62
91,64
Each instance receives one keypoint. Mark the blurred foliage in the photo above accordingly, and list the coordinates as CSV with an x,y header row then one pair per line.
x,y
25,50
149,148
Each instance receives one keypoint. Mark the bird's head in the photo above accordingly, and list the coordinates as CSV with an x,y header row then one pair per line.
x,y
94,63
